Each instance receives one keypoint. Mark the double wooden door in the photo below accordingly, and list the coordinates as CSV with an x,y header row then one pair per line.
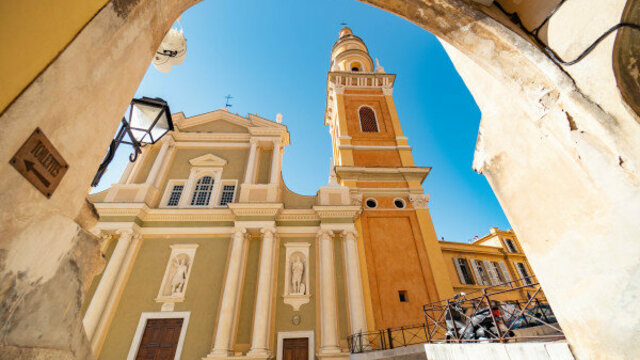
x,y
160,339
295,349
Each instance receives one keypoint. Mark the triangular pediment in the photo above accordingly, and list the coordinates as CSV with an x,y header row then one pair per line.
x,y
208,160
227,121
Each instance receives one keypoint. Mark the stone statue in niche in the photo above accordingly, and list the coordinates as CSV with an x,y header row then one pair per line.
x,y
297,270
180,276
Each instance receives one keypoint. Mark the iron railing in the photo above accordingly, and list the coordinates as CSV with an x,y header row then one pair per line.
x,y
511,312
515,311
387,339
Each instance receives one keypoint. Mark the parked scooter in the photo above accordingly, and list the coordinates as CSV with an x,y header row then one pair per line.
x,y
457,325
479,326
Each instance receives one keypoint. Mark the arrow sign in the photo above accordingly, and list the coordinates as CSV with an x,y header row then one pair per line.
x,y
40,163
29,166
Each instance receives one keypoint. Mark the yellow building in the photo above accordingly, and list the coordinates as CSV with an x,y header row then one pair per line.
x,y
211,256
495,260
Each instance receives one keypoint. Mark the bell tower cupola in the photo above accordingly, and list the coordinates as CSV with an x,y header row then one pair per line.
x,y
350,53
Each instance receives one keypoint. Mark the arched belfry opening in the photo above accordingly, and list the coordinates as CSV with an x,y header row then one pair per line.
x,y
559,146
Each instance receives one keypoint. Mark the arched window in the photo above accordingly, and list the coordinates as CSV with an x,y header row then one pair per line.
x,y
368,121
202,192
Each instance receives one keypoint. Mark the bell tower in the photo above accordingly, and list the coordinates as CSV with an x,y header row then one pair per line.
x,y
398,245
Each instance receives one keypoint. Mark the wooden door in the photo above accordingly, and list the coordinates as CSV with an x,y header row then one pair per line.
x,y
160,339
295,349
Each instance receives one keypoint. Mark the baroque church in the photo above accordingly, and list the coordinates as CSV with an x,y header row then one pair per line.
x,y
210,255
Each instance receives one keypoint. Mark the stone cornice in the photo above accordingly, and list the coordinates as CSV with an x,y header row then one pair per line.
x,y
337,212
298,215
360,173
256,209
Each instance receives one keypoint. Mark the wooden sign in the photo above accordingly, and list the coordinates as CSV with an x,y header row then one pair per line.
x,y
40,163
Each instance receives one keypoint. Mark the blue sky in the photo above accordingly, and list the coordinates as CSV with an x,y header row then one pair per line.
x,y
273,57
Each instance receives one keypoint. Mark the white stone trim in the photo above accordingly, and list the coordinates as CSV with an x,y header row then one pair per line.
x,y
167,193
142,323
375,114
176,250
296,300
294,335
224,182
194,176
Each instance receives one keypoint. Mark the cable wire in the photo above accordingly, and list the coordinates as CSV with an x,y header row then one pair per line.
x,y
515,18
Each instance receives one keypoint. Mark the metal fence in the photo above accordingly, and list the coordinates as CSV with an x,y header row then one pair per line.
x,y
515,311
387,339
511,312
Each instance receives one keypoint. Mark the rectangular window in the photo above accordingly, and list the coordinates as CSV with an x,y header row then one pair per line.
x,y
174,197
524,274
464,273
404,297
480,273
496,270
227,194
510,246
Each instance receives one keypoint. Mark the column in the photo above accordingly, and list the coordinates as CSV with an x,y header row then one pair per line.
x,y
329,324
127,172
157,164
165,162
136,166
354,283
105,287
262,316
251,162
222,344
276,161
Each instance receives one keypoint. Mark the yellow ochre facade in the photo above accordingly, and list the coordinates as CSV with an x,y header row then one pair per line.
x,y
211,256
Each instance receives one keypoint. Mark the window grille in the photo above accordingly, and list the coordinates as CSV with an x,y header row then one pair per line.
x,y
202,192
174,197
368,121
227,194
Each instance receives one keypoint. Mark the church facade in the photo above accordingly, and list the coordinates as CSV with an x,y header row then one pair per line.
x,y
211,256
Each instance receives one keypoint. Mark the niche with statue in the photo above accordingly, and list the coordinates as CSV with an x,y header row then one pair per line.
x,y
176,275
296,287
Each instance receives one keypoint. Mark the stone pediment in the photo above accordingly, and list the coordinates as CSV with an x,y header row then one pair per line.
x,y
208,160
250,122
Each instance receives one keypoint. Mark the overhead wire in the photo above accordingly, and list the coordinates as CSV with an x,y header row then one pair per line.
x,y
514,17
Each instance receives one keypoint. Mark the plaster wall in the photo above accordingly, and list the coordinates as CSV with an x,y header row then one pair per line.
x,y
283,312
201,299
583,222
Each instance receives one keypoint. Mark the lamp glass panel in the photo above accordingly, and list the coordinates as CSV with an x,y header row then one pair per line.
x,y
142,117
161,128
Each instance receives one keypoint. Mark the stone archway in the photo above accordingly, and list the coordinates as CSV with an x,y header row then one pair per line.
x,y
561,156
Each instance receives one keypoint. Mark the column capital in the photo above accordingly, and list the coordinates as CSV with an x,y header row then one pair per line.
x,y
168,140
268,230
322,233
126,233
254,141
350,234
239,230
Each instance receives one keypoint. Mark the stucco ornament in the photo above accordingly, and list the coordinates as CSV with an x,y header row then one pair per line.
x,y
180,276
297,291
176,275
419,201
356,199
297,283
